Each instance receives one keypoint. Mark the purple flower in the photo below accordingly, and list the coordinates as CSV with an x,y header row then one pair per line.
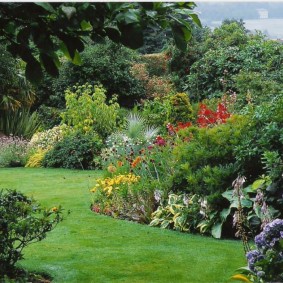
x,y
253,257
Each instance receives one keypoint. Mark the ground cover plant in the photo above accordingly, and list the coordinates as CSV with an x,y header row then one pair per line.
x,y
88,247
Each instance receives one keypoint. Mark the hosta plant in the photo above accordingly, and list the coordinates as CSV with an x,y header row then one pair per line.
x,y
181,213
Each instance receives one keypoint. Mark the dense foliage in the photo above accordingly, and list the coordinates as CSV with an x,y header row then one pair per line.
x,y
44,28
106,63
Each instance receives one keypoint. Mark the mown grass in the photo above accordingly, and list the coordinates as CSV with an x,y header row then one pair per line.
x,y
87,247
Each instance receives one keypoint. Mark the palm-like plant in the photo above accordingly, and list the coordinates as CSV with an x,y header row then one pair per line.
x,y
136,129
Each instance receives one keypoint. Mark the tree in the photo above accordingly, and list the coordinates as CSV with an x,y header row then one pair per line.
x,y
36,31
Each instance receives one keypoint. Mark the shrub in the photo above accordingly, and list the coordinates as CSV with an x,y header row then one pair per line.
x,y
87,110
157,111
127,142
181,109
22,222
13,151
105,63
75,151
156,63
206,160
155,86
49,116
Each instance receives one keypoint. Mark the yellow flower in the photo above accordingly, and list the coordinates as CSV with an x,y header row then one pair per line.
x,y
241,277
54,209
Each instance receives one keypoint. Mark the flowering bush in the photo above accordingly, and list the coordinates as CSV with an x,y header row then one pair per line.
x,y
13,151
47,139
265,263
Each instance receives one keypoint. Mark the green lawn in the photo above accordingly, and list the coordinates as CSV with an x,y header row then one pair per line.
x,y
87,247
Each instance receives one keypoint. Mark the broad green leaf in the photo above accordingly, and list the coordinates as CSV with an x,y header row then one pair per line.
x,y
181,36
228,195
65,50
244,202
33,71
216,230
196,20
225,213
257,184
165,224
154,222
86,26
10,27
130,17
254,220
77,58
46,6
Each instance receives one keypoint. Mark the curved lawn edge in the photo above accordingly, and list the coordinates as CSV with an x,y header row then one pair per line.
x,y
87,247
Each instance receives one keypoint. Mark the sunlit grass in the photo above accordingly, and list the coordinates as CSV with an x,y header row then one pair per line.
x,y
87,247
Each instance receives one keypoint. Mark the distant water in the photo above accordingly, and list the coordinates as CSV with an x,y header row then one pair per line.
x,y
273,28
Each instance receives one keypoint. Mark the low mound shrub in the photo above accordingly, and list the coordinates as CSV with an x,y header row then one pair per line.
x,y
76,151
22,222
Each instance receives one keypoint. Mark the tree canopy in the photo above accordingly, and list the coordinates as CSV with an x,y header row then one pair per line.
x,y
35,32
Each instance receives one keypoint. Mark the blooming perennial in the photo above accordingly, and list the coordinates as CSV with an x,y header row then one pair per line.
x,y
266,262
109,185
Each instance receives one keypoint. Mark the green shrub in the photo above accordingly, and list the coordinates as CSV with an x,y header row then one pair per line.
x,y
181,109
22,222
265,134
206,163
75,151
49,116
157,111
87,110
105,63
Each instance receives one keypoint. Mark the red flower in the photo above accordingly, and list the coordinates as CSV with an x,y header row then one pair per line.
x,y
160,141
208,117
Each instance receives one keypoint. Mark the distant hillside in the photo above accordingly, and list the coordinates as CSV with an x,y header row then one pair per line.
x,y
218,11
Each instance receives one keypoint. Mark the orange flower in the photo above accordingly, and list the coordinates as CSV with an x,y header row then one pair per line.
x,y
119,163
136,162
